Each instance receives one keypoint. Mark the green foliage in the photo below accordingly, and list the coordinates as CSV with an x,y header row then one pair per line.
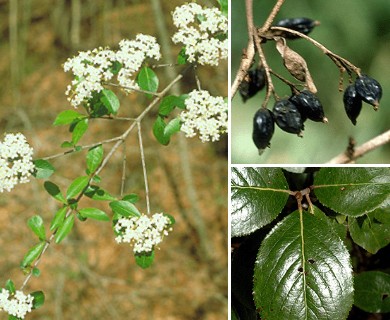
x,y
59,218
144,260
36,225
97,193
54,191
10,286
303,268
94,213
78,185
94,158
110,101
39,299
43,169
32,254
78,130
147,80
182,56
64,229
67,117
224,4
124,208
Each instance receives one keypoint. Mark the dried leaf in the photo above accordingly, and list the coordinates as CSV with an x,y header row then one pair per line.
x,y
295,64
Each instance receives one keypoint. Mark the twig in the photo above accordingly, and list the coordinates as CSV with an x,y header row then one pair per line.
x,y
363,149
271,17
141,149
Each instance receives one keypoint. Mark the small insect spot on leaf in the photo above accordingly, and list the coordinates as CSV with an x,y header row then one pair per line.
x,y
311,261
384,296
300,269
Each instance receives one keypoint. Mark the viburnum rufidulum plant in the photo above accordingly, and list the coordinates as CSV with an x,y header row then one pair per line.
x,y
95,74
290,113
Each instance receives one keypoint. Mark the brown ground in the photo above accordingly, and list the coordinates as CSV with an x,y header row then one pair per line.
x,y
89,276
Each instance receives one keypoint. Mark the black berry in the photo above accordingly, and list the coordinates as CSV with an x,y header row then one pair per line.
x,y
352,103
369,90
253,82
263,128
309,106
287,116
302,25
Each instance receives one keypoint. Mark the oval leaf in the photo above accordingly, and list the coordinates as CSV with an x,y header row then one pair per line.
x,y
78,185
144,260
43,169
132,197
94,213
124,208
32,254
65,228
97,193
372,291
39,299
58,219
67,117
352,191
147,80
36,225
94,158
158,131
10,286
79,129
172,127
110,101
303,271
54,191
258,196
168,103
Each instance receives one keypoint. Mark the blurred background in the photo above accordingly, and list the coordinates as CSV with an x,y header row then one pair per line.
x,y
357,30
89,276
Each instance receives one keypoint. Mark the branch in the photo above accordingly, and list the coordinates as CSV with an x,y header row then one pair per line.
x,y
370,145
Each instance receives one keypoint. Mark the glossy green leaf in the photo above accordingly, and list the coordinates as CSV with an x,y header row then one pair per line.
x,y
64,229
144,260
10,286
258,195
132,197
94,213
182,56
67,117
58,219
79,129
36,225
97,193
158,131
43,169
372,291
303,271
124,208
67,144
54,191
352,191
32,254
39,299
110,101
169,103
94,158
224,7
147,80
172,127
77,186
35,272
371,231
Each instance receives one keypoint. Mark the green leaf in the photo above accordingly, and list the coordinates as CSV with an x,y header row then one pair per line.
x,y
258,196
43,169
94,213
147,80
303,271
97,193
352,191
67,144
172,127
124,208
32,254
79,129
110,101
372,291
94,158
54,191
39,299
371,231
67,117
36,272
132,197
77,186
144,260
116,67
10,286
224,7
65,228
182,56
36,225
58,219
169,103
158,131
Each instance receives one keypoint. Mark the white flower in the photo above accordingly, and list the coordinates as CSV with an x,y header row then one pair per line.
x,y
92,68
16,165
200,31
205,114
17,304
143,232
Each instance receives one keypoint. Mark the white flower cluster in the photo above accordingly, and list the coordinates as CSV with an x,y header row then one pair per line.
x,y
16,163
17,305
199,30
91,68
206,114
142,232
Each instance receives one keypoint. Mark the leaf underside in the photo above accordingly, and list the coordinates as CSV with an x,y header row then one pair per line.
x,y
303,271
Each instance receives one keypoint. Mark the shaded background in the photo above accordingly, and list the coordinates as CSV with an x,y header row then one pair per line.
x,y
89,276
359,31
